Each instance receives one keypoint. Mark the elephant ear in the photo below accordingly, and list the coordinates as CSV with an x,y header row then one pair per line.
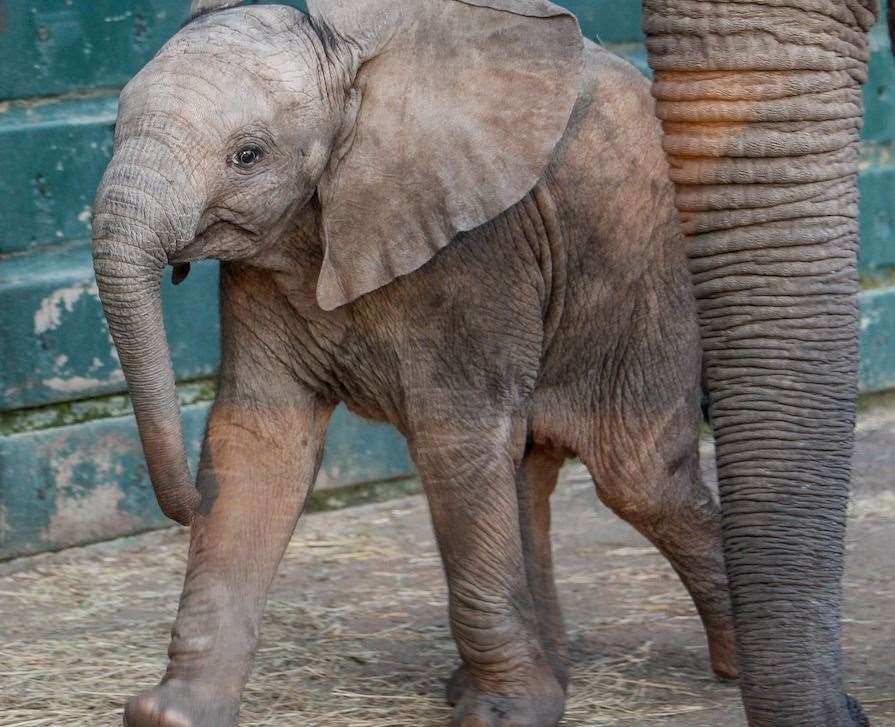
x,y
202,7
460,105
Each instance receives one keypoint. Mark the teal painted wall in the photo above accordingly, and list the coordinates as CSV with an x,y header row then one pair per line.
x,y
70,466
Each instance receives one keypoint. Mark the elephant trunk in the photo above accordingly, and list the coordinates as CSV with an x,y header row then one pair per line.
x,y
762,107
132,239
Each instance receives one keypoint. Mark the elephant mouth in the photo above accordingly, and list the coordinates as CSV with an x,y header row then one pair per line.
x,y
220,239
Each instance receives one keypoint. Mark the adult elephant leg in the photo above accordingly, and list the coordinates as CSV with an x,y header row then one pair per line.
x,y
761,105
260,457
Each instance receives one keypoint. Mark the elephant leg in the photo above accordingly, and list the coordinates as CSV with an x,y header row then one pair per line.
x,y
257,468
674,509
535,482
469,477
762,130
259,459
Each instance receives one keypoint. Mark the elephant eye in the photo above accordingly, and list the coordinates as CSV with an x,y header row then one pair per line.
x,y
247,156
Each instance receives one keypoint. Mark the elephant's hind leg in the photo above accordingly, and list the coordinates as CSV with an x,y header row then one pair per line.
x,y
666,500
535,483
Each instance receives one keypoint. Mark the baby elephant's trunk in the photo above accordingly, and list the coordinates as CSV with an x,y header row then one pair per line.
x,y
129,257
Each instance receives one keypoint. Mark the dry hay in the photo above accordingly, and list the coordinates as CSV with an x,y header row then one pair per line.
x,y
363,642
355,633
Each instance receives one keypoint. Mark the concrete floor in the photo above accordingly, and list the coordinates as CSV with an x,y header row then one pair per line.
x,y
356,632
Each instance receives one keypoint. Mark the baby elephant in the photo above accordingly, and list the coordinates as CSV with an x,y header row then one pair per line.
x,y
453,216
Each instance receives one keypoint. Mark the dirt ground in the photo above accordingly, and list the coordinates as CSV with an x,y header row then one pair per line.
x,y
356,633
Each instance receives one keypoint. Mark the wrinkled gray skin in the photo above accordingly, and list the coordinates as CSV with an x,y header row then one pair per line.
x,y
557,320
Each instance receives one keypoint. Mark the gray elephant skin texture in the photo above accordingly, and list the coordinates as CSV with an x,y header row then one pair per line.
x,y
456,216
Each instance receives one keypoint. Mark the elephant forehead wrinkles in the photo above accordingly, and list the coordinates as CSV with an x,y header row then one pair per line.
x,y
196,112
230,50
204,77
214,79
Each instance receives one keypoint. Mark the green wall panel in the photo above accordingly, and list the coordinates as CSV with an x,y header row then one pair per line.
x,y
877,179
877,366
51,47
879,93
55,345
77,484
60,151
610,21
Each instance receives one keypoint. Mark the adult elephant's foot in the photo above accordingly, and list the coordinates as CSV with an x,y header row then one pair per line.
x,y
180,704
722,652
541,706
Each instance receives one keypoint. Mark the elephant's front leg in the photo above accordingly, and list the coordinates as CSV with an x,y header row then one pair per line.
x,y
259,461
536,480
469,474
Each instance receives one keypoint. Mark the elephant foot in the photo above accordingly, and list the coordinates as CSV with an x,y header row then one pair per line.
x,y
180,704
459,681
542,706
722,652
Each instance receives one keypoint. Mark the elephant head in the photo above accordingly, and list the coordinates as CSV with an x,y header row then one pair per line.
x,y
408,121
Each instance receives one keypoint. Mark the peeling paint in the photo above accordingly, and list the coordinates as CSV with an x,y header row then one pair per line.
x,y
117,18
92,516
49,316
77,384
101,460
870,317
